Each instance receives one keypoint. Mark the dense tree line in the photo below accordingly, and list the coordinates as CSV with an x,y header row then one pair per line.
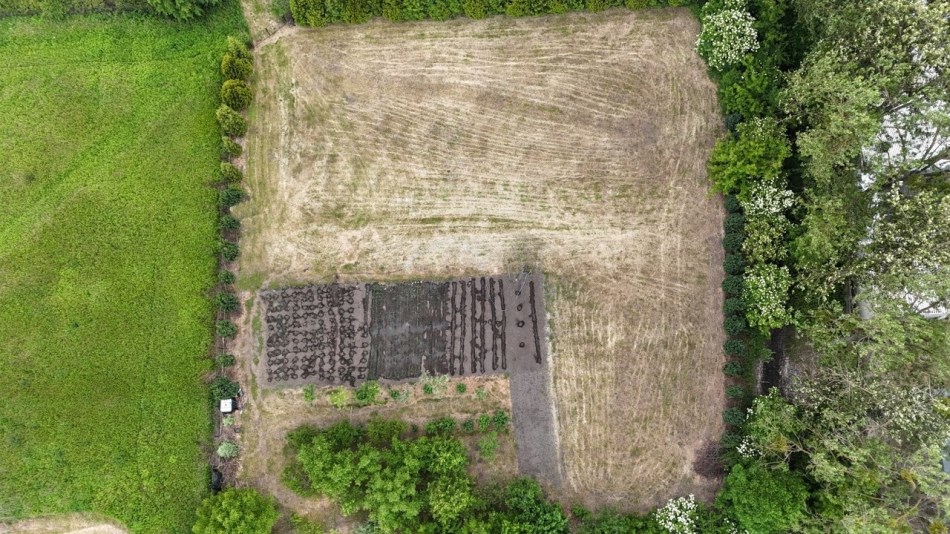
x,y
838,155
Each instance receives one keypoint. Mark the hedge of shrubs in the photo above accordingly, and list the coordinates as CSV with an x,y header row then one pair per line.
x,y
323,12
236,68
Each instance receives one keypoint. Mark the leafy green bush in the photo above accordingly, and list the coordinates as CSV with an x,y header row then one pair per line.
x,y
499,421
235,68
733,369
529,512
733,305
230,196
229,148
733,416
732,204
340,398
226,360
302,525
484,422
734,348
443,426
228,223
236,94
481,393
230,121
428,389
757,152
732,285
223,387
734,325
488,446
227,302
229,250
732,242
735,392
229,173
238,49
764,500
225,277
461,388
468,426
236,511
367,393
380,433
735,222
225,329
734,264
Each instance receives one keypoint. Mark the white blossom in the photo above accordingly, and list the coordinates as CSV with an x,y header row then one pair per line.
x,y
678,516
727,35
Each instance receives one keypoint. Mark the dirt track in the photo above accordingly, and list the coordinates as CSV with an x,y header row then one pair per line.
x,y
573,144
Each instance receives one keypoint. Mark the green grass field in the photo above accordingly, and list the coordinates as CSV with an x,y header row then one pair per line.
x,y
108,144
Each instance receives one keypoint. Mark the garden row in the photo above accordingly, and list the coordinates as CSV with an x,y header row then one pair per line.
x,y
236,68
323,12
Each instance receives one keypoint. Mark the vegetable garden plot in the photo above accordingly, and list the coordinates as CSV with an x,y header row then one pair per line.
x,y
349,333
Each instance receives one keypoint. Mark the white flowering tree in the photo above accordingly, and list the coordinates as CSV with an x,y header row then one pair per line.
x,y
678,516
728,33
765,206
766,296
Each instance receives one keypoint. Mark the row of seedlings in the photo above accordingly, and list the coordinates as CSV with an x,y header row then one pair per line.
x,y
236,68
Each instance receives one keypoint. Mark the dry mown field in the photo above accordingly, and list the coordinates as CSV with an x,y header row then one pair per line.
x,y
575,144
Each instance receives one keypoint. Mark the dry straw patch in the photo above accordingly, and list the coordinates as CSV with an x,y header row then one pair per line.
x,y
576,144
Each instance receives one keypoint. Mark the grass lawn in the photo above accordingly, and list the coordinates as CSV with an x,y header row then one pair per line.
x,y
108,145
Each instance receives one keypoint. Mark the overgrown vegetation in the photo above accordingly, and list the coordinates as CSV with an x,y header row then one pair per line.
x,y
107,145
412,485
323,12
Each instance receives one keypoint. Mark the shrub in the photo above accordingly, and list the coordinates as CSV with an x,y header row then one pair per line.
x,y
735,392
367,393
223,387
230,196
226,302
727,35
228,223
735,222
340,397
484,422
225,277
235,68
380,433
733,416
499,421
225,329
755,154
733,369
732,204
488,446
229,250
309,393
528,511
236,94
764,500
732,285
229,173
229,148
734,264
443,426
732,242
226,360
734,348
231,122
481,393
228,420
468,426
461,388
238,49
237,511
400,395
428,389
734,325
733,306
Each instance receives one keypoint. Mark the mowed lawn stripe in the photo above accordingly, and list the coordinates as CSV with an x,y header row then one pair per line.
x,y
108,144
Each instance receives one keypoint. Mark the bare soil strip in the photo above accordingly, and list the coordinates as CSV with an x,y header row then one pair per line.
x,y
573,144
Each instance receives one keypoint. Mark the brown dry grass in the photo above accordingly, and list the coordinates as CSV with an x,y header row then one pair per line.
x,y
64,524
574,143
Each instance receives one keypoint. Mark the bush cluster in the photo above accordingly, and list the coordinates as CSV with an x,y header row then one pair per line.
x,y
323,12
412,485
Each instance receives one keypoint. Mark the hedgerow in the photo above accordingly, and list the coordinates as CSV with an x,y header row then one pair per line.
x,y
324,12
230,121
236,94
